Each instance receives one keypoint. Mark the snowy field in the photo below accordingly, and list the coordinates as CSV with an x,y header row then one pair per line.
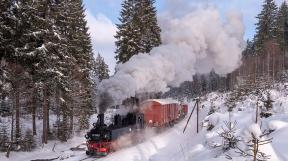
x,y
173,145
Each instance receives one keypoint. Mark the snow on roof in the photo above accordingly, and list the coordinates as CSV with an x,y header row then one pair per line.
x,y
163,101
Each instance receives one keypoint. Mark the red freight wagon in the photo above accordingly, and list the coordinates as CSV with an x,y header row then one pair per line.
x,y
185,109
160,112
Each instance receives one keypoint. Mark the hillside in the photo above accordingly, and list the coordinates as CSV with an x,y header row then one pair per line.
x,y
173,145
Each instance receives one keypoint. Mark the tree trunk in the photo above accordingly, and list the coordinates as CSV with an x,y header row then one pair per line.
x,y
256,69
263,66
65,127
34,111
268,65
12,125
45,116
71,119
283,59
273,66
280,61
2,105
48,116
17,113
58,105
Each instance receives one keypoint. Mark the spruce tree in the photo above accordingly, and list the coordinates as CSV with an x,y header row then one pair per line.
x,y
282,26
73,28
101,68
51,67
128,33
17,18
138,31
150,31
45,47
84,56
249,50
282,31
4,139
4,14
28,141
6,29
266,26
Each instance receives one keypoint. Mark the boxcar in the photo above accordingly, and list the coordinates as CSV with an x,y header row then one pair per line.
x,y
160,112
185,109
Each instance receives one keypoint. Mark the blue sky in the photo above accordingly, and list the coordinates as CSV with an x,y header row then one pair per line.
x,y
111,8
102,15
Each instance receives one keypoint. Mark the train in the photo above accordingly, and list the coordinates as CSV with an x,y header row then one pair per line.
x,y
152,113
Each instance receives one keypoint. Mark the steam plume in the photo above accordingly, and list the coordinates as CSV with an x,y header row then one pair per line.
x,y
195,43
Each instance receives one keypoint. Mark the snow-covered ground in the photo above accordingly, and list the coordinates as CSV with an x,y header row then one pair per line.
x,y
173,145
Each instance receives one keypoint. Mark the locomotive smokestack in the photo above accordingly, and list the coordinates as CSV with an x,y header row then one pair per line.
x,y
101,119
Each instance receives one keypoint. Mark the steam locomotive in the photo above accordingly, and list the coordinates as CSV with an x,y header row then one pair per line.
x,y
155,113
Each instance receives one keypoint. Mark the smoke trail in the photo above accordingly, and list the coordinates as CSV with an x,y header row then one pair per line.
x,y
195,43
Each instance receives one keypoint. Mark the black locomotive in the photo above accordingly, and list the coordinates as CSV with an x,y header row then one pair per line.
x,y
101,137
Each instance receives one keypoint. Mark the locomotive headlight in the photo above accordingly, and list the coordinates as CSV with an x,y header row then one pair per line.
x,y
103,150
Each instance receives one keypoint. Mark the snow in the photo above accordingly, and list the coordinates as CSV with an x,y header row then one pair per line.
x,y
163,101
276,125
255,130
280,143
42,48
174,145
61,150
215,118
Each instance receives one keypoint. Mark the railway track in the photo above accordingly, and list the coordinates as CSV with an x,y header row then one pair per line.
x,y
93,159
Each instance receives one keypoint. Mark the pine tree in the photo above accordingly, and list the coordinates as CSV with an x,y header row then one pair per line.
x,y
249,50
4,139
101,68
6,28
28,141
128,33
45,49
51,67
230,139
268,104
150,31
83,55
4,13
138,31
282,25
282,31
73,28
15,33
266,26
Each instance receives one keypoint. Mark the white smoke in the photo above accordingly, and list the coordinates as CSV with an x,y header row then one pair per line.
x,y
195,43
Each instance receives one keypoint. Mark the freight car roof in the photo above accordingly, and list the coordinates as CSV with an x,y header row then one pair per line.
x,y
162,101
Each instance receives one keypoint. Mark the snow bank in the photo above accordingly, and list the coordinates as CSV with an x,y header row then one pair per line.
x,y
277,124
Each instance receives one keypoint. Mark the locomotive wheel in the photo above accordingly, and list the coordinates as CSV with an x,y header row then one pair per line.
x,y
88,152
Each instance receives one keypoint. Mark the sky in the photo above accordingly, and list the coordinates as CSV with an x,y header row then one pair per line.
x,y
102,17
